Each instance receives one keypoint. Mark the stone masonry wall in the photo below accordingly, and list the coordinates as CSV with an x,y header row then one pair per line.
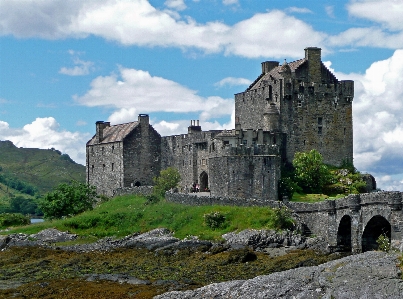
x,y
105,167
142,156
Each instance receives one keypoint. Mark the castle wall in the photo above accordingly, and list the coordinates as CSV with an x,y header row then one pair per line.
x,y
245,176
141,156
105,167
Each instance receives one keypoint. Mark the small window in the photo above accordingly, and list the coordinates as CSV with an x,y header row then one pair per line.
x,y
113,148
299,103
92,168
112,166
103,167
103,150
320,130
344,131
320,121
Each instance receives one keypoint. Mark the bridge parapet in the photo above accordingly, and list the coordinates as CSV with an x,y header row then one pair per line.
x,y
392,198
323,206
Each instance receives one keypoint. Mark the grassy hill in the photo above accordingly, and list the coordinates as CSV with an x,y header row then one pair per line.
x,y
43,169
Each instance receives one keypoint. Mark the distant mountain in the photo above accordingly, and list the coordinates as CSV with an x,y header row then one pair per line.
x,y
25,168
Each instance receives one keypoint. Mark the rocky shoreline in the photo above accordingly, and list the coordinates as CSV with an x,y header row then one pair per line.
x,y
112,262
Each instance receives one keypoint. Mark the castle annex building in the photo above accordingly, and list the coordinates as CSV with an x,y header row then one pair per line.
x,y
289,108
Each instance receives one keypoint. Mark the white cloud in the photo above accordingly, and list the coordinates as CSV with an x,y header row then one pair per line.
x,y
123,115
330,10
231,81
176,4
138,23
81,67
378,117
387,12
230,2
137,91
46,133
294,9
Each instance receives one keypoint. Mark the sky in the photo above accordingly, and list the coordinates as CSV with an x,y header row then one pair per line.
x,y
65,64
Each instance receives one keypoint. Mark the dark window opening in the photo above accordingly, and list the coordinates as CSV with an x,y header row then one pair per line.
x,y
320,121
320,130
112,166
137,184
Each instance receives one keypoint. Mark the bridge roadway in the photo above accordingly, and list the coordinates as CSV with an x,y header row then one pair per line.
x,y
356,221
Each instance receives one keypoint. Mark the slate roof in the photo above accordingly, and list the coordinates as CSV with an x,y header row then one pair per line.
x,y
115,133
275,73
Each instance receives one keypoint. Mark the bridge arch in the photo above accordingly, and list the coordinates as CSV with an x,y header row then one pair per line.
x,y
344,234
375,227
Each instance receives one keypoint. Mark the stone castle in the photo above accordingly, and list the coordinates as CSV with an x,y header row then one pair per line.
x,y
289,108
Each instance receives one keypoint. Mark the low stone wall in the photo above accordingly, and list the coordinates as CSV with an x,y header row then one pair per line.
x,y
141,190
196,200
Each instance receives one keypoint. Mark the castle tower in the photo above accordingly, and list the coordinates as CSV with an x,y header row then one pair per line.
x,y
271,118
313,56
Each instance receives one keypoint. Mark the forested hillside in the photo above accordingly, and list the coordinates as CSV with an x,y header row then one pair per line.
x,y
32,171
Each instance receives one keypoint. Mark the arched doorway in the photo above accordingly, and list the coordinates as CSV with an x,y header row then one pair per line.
x,y
137,184
377,226
203,181
344,234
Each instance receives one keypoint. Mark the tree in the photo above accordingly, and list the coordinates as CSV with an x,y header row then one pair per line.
x,y
311,173
168,179
68,200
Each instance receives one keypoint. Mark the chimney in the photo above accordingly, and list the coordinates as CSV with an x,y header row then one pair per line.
x,y
313,55
144,119
267,66
100,126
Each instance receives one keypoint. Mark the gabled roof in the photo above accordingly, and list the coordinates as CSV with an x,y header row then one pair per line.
x,y
275,73
114,133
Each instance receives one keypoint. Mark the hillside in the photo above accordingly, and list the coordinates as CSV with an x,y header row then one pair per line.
x,y
42,169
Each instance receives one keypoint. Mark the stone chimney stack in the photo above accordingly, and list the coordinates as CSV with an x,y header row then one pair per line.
x,y
144,119
100,126
313,55
267,66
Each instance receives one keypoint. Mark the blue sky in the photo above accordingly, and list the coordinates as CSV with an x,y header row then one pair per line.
x,y
66,64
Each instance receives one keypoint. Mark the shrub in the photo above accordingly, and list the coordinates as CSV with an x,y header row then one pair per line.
x,y
214,220
383,243
68,200
310,171
152,199
168,179
283,218
12,219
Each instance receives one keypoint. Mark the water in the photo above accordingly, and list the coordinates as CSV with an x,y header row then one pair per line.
x,y
36,220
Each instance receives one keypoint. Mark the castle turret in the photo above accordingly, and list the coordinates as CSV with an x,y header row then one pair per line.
x,y
194,126
271,118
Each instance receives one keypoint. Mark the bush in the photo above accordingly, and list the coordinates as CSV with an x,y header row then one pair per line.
x,y
214,220
383,243
13,219
168,179
283,218
310,171
152,199
68,200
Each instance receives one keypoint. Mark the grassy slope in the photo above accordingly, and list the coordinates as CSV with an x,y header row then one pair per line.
x,y
42,168
124,215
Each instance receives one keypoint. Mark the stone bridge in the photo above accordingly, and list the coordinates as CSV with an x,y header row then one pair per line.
x,y
356,221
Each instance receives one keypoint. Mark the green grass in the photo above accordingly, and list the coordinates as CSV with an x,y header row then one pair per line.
x,y
125,215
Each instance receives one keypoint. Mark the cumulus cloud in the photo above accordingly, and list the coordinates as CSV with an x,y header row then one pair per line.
x,y
330,11
176,4
135,91
46,133
139,23
378,118
387,12
231,81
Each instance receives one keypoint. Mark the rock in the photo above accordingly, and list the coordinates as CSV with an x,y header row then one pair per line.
x,y
52,235
153,239
368,275
260,239
4,240
120,278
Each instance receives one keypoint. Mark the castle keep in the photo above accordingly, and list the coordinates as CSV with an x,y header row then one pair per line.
x,y
289,108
